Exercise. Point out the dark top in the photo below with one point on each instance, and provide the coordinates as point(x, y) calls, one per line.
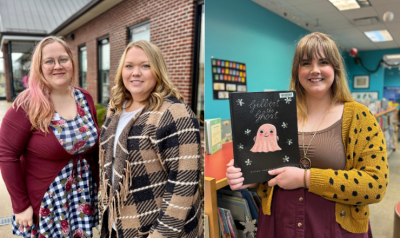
point(30, 160)
point(300, 213)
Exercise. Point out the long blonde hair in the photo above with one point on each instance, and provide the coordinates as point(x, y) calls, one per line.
point(35, 100)
point(163, 89)
point(311, 45)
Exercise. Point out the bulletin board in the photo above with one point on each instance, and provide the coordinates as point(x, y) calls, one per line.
point(391, 93)
point(228, 76)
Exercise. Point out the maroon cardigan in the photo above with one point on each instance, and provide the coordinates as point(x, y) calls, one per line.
point(31, 160)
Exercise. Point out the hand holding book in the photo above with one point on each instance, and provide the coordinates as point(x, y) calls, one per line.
point(289, 178)
point(235, 177)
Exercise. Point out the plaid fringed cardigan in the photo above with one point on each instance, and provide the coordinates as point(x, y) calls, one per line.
point(156, 173)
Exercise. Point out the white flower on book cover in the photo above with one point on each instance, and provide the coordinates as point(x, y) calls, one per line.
point(286, 159)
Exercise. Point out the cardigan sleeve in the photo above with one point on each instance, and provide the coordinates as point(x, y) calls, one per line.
point(14, 135)
point(365, 177)
point(179, 148)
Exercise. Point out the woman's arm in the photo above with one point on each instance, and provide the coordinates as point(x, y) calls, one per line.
point(365, 180)
point(178, 144)
point(15, 132)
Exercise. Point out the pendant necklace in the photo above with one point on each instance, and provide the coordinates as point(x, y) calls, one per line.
point(305, 162)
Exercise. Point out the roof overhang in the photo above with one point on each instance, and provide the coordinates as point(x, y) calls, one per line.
point(6, 38)
point(86, 14)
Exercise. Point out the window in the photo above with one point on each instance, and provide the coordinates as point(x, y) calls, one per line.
point(20, 52)
point(82, 66)
point(104, 70)
point(198, 64)
point(140, 31)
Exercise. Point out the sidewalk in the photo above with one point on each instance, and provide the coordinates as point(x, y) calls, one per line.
point(5, 202)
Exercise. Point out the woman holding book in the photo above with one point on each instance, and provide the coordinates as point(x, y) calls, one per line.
point(149, 153)
point(49, 149)
point(344, 160)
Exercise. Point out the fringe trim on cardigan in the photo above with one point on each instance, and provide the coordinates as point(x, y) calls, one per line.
point(116, 199)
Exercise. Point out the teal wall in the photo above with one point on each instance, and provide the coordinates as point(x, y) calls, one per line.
point(243, 31)
point(370, 60)
point(392, 77)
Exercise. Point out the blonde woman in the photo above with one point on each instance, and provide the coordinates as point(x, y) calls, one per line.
point(149, 153)
point(344, 145)
point(49, 149)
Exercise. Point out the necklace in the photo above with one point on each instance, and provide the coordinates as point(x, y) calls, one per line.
point(305, 162)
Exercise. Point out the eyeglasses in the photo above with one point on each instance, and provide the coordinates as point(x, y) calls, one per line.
point(63, 61)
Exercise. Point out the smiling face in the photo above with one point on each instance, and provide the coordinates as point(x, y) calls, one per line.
point(316, 75)
point(136, 74)
point(266, 130)
point(59, 76)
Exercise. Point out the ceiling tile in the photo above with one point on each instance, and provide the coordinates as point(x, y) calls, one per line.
point(382, 2)
point(387, 45)
point(338, 25)
point(297, 2)
point(375, 27)
point(317, 8)
point(360, 13)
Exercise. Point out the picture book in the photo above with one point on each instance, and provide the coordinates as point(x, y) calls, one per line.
point(264, 132)
point(213, 135)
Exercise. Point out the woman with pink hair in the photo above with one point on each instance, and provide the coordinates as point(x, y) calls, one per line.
point(50, 163)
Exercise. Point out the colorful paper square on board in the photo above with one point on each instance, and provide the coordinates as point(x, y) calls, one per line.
point(244, 74)
point(218, 70)
point(214, 62)
point(226, 64)
point(243, 80)
point(222, 70)
point(226, 71)
point(236, 78)
point(216, 76)
point(241, 74)
point(221, 77)
point(234, 65)
point(225, 77)
point(232, 78)
point(244, 67)
point(218, 62)
point(222, 63)
point(237, 66)
point(241, 66)
point(230, 64)
point(214, 70)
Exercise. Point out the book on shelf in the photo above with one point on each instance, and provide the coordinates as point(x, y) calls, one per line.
point(213, 135)
point(264, 133)
point(236, 209)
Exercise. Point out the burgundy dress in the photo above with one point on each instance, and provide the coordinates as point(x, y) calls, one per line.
point(299, 213)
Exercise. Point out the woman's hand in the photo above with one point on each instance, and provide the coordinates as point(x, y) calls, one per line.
point(234, 177)
point(25, 218)
point(288, 178)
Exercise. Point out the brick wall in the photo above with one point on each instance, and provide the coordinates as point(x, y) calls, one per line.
point(6, 72)
point(171, 29)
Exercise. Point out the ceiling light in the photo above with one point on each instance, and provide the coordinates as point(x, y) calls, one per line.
point(343, 5)
point(378, 36)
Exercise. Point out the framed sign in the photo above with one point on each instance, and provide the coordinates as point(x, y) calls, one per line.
point(365, 95)
point(228, 76)
point(361, 81)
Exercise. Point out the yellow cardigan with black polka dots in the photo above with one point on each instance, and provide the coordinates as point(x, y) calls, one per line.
point(364, 179)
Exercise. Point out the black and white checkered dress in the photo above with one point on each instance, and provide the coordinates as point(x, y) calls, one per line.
point(69, 206)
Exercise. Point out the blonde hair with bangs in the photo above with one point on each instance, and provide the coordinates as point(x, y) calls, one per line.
point(163, 89)
point(314, 45)
point(35, 100)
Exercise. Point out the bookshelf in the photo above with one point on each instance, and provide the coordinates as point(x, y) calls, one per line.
point(388, 123)
point(215, 178)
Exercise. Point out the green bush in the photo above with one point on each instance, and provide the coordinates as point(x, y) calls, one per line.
point(101, 114)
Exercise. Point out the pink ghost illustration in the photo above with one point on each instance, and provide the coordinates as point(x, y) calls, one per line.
point(266, 139)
